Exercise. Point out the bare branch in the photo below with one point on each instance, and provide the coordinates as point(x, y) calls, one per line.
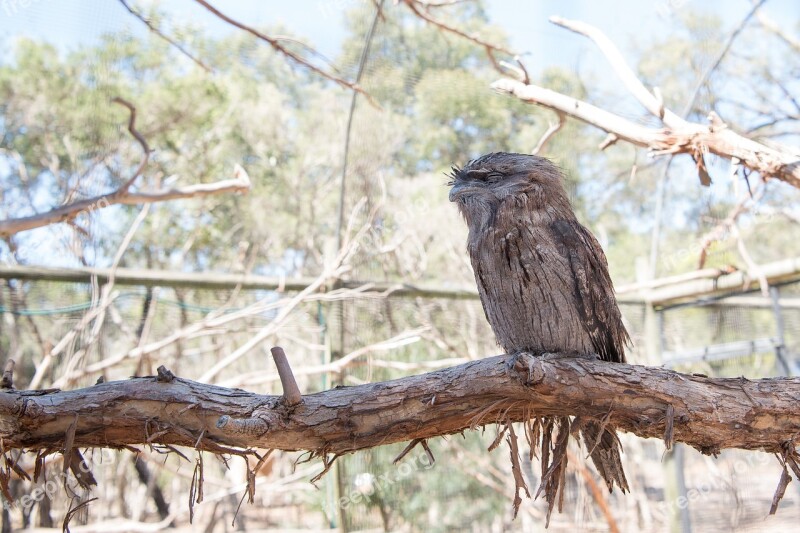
point(710, 70)
point(167, 38)
point(280, 48)
point(552, 130)
point(240, 183)
point(139, 138)
point(419, 8)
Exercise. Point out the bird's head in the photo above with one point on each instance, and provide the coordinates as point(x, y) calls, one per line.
point(483, 185)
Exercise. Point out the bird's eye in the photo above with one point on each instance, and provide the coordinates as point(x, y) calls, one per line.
point(493, 177)
point(479, 175)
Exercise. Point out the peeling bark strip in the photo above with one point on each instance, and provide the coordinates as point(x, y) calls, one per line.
point(709, 413)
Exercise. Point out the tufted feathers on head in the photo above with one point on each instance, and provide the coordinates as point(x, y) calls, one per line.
point(503, 165)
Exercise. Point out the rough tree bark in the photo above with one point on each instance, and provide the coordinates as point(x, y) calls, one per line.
point(707, 413)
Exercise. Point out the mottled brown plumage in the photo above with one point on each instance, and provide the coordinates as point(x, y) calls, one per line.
point(542, 277)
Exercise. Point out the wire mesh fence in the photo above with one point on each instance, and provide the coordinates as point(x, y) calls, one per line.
point(350, 338)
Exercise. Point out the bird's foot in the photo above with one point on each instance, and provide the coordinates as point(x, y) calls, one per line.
point(521, 362)
point(528, 361)
point(518, 361)
point(550, 356)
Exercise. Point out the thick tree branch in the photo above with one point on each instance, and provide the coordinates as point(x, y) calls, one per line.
point(707, 413)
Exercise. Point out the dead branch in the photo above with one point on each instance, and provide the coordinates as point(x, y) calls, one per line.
point(709, 414)
point(240, 183)
point(65, 213)
point(678, 135)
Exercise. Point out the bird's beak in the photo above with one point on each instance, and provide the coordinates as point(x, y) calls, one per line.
point(462, 189)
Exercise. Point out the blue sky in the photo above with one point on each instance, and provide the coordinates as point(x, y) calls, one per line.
point(70, 23)
point(631, 24)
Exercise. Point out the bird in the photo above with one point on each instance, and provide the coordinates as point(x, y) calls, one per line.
point(544, 284)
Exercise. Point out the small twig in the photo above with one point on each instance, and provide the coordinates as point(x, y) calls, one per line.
point(410, 446)
point(327, 464)
point(421, 11)
point(362, 62)
point(752, 266)
point(710, 70)
point(291, 392)
point(275, 43)
point(781, 490)
point(610, 140)
point(72, 511)
point(717, 233)
point(526, 79)
point(167, 38)
point(165, 375)
point(552, 130)
point(8, 375)
point(770, 25)
point(139, 138)
point(428, 451)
